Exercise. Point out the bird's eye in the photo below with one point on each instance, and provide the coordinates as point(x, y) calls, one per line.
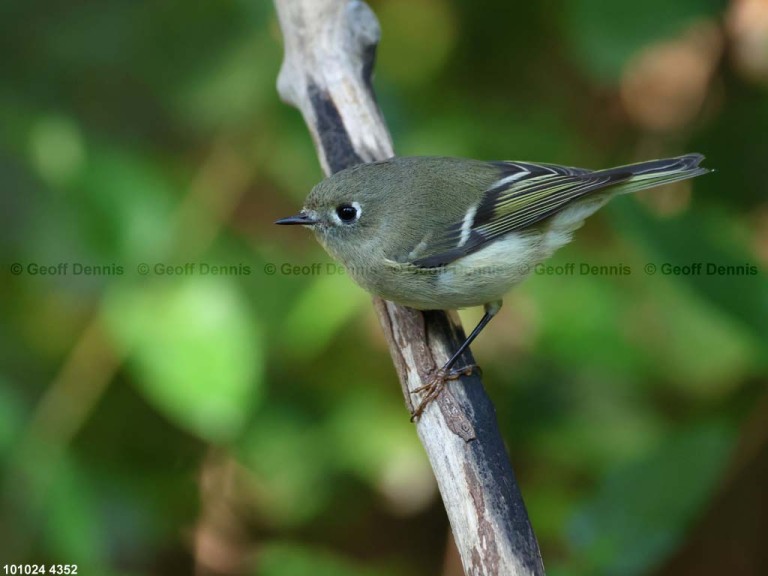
point(346, 212)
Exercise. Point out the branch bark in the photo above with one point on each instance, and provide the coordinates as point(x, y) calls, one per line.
point(330, 48)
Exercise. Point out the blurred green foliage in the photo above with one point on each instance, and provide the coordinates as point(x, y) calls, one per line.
point(152, 422)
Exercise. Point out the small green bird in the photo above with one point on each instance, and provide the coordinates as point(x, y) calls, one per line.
point(445, 233)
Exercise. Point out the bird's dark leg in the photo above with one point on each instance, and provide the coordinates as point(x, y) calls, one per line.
point(432, 389)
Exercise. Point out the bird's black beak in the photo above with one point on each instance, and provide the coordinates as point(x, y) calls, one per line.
point(299, 219)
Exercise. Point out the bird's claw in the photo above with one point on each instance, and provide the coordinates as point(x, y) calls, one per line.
point(434, 387)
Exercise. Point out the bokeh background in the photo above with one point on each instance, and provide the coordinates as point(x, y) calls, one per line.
point(162, 422)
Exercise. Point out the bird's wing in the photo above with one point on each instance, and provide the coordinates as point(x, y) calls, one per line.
point(524, 194)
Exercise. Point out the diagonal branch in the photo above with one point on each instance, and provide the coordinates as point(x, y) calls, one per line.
point(330, 48)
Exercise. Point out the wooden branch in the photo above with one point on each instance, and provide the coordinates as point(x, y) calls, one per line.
point(330, 48)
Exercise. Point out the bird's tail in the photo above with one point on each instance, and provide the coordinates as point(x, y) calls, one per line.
point(656, 172)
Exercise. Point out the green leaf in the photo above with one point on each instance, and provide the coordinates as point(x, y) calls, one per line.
point(195, 350)
point(126, 205)
point(293, 467)
point(710, 238)
point(642, 510)
point(329, 302)
point(57, 149)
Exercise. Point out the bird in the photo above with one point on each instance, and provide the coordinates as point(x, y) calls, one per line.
point(440, 233)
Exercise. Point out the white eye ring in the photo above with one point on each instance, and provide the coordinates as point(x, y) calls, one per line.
point(347, 213)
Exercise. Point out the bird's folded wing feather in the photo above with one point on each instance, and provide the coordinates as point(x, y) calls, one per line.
point(525, 194)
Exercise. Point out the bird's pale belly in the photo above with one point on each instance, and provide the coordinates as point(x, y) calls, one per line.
point(482, 277)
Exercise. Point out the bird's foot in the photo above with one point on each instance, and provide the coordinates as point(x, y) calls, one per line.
point(436, 384)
